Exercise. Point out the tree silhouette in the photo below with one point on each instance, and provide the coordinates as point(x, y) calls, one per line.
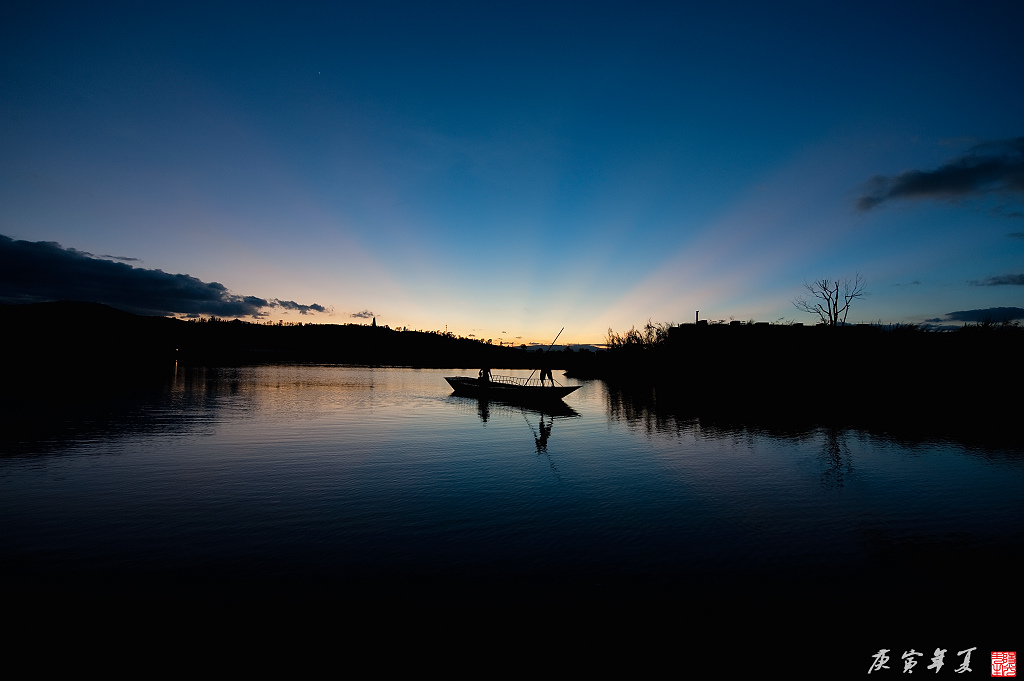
point(830, 299)
point(649, 337)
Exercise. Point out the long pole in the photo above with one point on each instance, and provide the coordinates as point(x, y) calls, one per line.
point(556, 337)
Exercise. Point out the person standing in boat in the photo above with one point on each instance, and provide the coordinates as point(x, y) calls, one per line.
point(546, 373)
point(485, 376)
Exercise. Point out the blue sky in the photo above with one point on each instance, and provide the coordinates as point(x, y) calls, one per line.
point(505, 170)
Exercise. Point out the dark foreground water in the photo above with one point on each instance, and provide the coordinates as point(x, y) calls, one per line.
point(367, 487)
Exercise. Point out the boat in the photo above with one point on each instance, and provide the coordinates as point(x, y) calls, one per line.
point(509, 389)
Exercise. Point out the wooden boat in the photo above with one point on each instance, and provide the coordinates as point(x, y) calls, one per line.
point(509, 389)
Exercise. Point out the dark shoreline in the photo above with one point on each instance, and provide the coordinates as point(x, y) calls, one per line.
point(962, 385)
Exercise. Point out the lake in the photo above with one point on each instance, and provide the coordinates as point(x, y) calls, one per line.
point(369, 485)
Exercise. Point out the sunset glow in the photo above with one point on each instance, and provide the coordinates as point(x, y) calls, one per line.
point(506, 172)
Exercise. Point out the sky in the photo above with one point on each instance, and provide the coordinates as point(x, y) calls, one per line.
point(504, 170)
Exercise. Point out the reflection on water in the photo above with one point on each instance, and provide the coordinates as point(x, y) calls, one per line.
point(353, 482)
point(543, 433)
point(837, 459)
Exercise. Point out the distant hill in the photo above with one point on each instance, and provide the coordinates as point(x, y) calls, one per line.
point(72, 332)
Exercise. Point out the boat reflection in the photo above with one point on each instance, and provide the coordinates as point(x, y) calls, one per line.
point(485, 408)
point(543, 415)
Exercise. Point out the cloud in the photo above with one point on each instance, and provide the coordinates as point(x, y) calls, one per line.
point(302, 309)
point(988, 314)
point(1002, 280)
point(365, 314)
point(986, 168)
point(44, 271)
point(1003, 212)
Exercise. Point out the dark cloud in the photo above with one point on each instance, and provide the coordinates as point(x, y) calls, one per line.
point(988, 314)
point(1002, 280)
point(985, 168)
point(1003, 212)
point(365, 314)
point(44, 271)
point(302, 309)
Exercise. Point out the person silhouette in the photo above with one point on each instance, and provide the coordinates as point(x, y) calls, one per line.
point(546, 373)
point(485, 376)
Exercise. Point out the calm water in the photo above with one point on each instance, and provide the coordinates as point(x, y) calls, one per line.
point(369, 483)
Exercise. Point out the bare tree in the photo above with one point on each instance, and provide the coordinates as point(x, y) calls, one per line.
point(830, 299)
